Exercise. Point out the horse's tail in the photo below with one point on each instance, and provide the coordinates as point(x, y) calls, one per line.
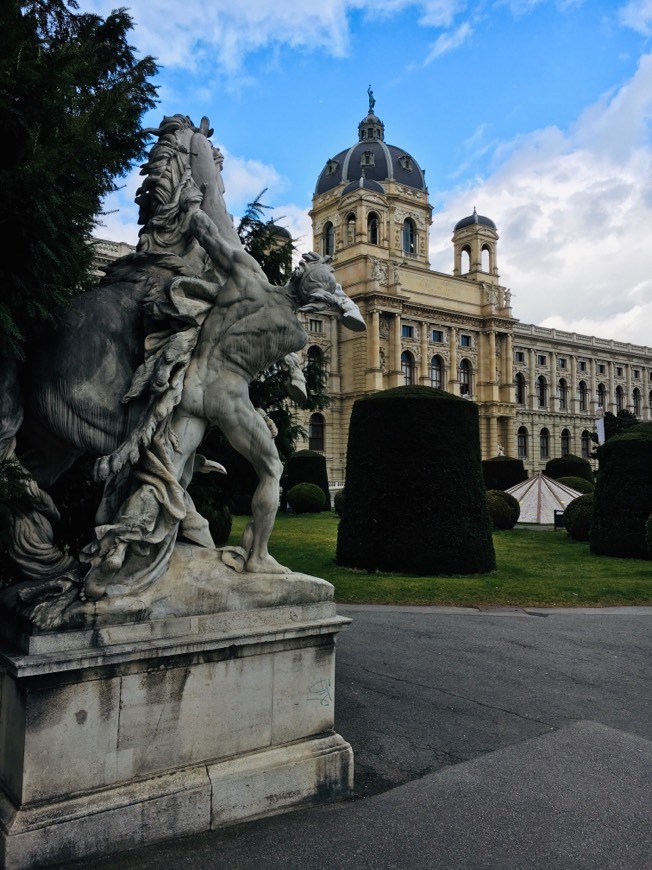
point(11, 406)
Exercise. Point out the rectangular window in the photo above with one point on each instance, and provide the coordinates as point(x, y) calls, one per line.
point(315, 326)
point(437, 335)
point(541, 359)
point(407, 331)
point(619, 371)
point(562, 362)
point(519, 356)
point(465, 341)
point(582, 365)
point(636, 374)
point(601, 368)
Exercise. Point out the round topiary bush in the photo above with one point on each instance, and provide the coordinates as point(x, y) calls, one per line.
point(578, 517)
point(415, 497)
point(504, 509)
point(569, 466)
point(306, 498)
point(623, 494)
point(305, 466)
point(579, 484)
point(338, 502)
point(503, 472)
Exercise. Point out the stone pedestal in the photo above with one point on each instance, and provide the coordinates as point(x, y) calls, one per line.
point(118, 734)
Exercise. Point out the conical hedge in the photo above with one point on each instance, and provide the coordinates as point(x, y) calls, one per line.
point(415, 499)
point(623, 494)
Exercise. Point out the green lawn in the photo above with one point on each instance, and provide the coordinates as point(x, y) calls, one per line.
point(536, 568)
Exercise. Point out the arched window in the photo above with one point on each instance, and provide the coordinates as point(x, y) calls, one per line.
point(486, 258)
point(521, 442)
point(565, 442)
point(586, 444)
point(350, 229)
point(314, 353)
point(542, 392)
point(372, 228)
point(636, 396)
point(436, 372)
point(602, 396)
point(465, 260)
point(519, 384)
point(407, 367)
point(620, 399)
point(409, 236)
point(544, 444)
point(316, 428)
point(583, 396)
point(328, 239)
point(465, 378)
point(563, 394)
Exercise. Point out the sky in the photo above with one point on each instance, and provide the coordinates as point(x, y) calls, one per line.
point(536, 112)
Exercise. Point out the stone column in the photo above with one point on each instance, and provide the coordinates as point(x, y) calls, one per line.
point(573, 404)
point(453, 385)
point(532, 398)
point(395, 373)
point(374, 372)
point(425, 362)
point(611, 389)
point(553, 401)
point(629, 397)
point(593, 388)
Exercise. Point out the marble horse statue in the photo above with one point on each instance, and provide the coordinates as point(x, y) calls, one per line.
point(137, 370)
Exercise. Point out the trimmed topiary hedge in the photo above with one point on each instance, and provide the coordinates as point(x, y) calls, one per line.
point(305, 466)
point(306, 498)
point(569, 466)
point(338, 502)
point(648, 535)
point(503, 472)
point(504, 509)
point(579, 484)
point(623, 494)
point(578, 517)
point(415, 499)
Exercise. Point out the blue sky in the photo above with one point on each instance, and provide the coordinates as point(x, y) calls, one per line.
point(537, 112)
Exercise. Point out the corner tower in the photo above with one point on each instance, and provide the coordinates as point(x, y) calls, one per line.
point(371, 202)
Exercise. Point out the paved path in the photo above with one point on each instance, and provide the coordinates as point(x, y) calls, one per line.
point(494, 738)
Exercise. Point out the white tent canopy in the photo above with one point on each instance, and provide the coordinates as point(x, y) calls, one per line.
point(539, 498)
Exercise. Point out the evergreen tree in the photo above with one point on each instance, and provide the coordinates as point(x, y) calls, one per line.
point(72, 95)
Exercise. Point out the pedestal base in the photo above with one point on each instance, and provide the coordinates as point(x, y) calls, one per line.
point(197, 722)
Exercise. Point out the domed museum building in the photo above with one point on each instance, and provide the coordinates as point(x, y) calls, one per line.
point(538, 390)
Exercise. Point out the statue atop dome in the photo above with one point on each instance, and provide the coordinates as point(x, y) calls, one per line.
point(372, 101)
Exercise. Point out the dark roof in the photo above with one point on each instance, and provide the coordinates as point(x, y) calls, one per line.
point(475, 218)
point(380, 162)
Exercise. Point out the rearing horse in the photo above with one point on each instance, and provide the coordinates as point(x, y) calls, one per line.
point(166, 345)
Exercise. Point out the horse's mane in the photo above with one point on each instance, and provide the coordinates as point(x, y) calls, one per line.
point(167, 172)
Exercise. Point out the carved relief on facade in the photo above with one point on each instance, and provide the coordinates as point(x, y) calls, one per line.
point(382, 359)
point(379, 271)
point(383, 326)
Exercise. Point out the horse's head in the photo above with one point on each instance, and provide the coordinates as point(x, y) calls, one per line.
point(181, 163)
point(314, 287)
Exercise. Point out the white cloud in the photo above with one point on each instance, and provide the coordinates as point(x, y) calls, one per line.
point(637, 14)
point(449, 42)
point(573, 213)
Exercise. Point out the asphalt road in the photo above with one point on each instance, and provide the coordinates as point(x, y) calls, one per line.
point(492, 739)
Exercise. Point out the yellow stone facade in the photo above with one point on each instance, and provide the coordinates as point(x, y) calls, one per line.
point(538, 390)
